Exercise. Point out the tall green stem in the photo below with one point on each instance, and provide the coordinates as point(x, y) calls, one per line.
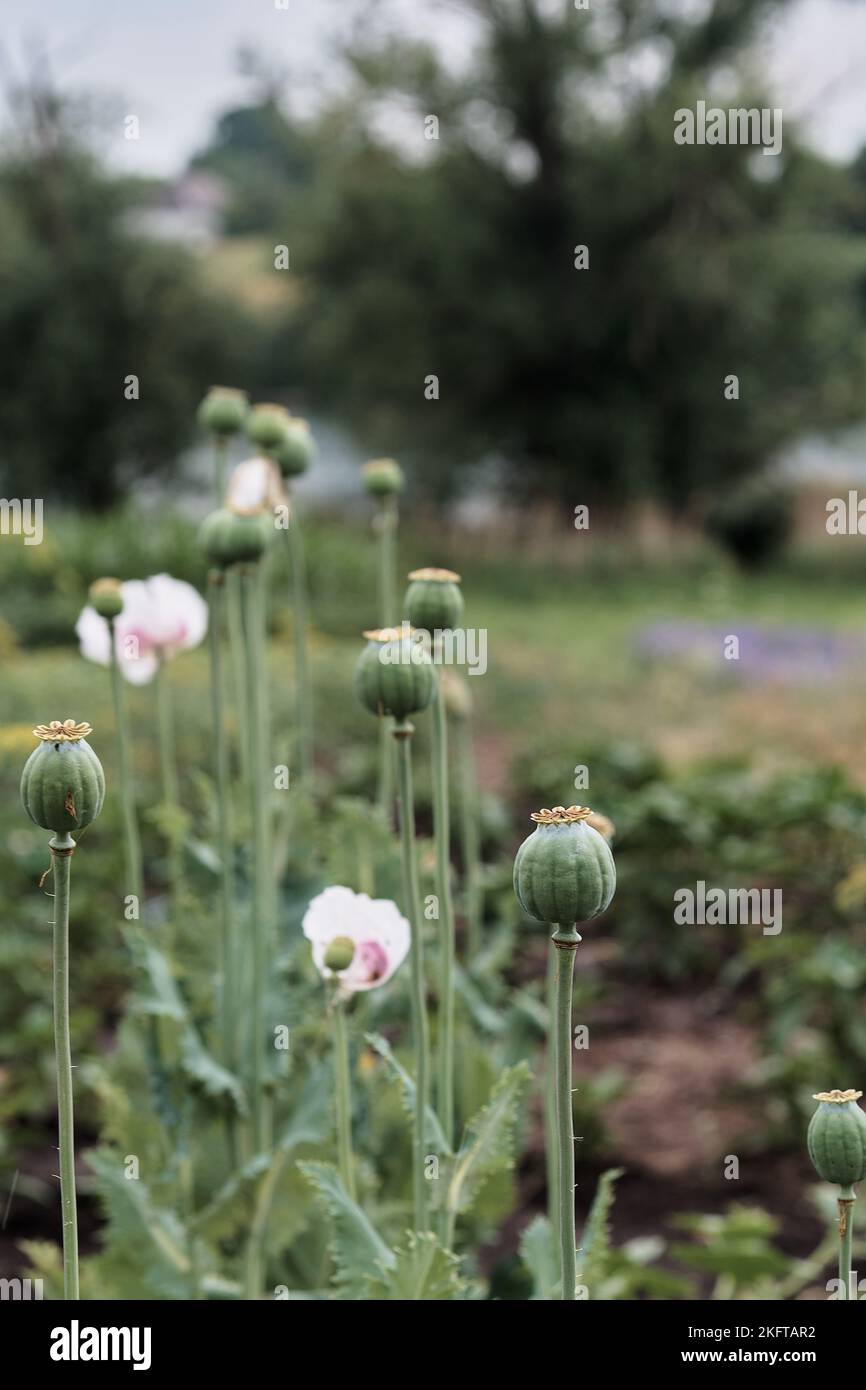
point(238, 663)
point(386, 521)
point(304, 694)
point(342, 1092)
point(402, 734)
point(442, 833)
point(260, 924)
point(220, 454)
point(846, 1201)
point(131, 838)
point(61, 847)
point(168, 767)
point(228, 965)
point(550, 1096)
point(564, 945)
point(468, 796)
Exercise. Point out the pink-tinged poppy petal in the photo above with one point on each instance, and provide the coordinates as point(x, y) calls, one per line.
point(377, 927)
point(177, 614)
point(141, 670)
point(94, 636)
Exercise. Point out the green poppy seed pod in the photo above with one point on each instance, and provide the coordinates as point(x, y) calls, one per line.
point(433, 600)
point(383, 477)
point(106, 597)
point(223, 410)
point(229, 538)
point(394, 674)
point(295, 454)
point(339, 953)
point(564, 871)
point(268, 426)
point(62, 785)
point(836, 1137)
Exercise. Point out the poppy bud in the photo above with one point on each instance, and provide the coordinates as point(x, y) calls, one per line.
point(339, 953)
point(106, 597)
point(268, 426)
point(383, 477)
point(223, 410)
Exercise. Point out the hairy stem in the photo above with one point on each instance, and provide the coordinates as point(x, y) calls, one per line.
point(442, 833)
point(402, 735)
point(564, 946)
point(131, 837)
point(550, 1098)
point(343, 1097)
point(845, 1201)
point(61, 852)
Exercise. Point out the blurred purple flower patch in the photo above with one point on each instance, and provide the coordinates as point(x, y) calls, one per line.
point(780, 655)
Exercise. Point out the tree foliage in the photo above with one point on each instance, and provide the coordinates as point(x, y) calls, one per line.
point(455, 258)
point(86, 304)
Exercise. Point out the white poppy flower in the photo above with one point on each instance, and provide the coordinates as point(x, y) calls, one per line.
point(161, 616)
point(376, 927)
point(255, 486)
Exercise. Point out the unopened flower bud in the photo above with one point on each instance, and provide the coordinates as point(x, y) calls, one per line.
point(223, 410)
point(106, 597)
point(295, 454)
point(383, 477)
point(268, 426)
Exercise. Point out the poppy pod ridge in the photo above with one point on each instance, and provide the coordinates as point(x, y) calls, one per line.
point(62, 789)
point(564, 874)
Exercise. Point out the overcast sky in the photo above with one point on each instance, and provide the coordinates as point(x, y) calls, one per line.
point(171, 62)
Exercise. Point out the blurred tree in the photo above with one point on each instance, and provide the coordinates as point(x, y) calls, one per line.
point(265, 158)
point(86, 305)
point(451, 252)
